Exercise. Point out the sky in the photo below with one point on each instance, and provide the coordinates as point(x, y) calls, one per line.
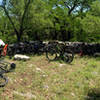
point(0, 1)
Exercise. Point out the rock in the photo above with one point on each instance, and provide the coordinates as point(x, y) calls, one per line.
point(61, 65)
point(21, 57)
point(72, 94)
point(38, 69)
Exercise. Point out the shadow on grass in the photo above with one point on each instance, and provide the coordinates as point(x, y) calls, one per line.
point(97, 58)
point(60, 61)
point(93, 94)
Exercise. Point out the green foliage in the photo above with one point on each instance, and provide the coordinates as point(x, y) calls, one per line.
point(91, 23)
point(66, 20)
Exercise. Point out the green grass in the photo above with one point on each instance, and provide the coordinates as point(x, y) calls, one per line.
point(37, 79)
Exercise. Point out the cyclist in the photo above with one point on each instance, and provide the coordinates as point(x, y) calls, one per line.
point(2, 43)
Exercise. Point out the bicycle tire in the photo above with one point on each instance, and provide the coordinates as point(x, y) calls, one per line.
point(4, 79)
point(70, 56)
point(51, 55)
point(65, 57)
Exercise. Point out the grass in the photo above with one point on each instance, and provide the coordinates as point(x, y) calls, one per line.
point(38, 79)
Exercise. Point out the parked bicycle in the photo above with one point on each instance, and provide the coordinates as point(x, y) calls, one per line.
point(56, 51)
point(5, 67)
point(3, 79)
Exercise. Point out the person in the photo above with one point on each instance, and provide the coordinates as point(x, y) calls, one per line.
point(2, 44)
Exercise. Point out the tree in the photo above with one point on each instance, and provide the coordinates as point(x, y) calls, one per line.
point(91, 23)
point(75, 6)
point(72, 9)
point(12, 5)
point(38, 20)
point(65, 20)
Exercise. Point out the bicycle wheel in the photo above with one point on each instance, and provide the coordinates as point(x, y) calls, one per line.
point(70, 54)
point(65, 57)
point(3, 81)
point(51, 55)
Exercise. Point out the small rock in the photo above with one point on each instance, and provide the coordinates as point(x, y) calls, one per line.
point(61, 65)
point(21, 79)
point(15, 80)
point(21, 57)
point(44, 76)
point(72, 94)
point(38, 69)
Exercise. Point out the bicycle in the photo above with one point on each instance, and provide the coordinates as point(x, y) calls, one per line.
point(3, 79)
point(5, 67)
point(4, 64)
point(56, 51)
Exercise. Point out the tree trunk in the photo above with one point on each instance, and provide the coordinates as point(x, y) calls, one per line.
point(18, 38)
point(20, 31)
point(23, 17)
point(68, 35)
point(54, 35)
point(63, 33)
point(7, 14)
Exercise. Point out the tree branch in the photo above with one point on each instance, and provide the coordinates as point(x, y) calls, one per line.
point(66, 5)
point(71, 8)
point(7, 14)
point(23, 17)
